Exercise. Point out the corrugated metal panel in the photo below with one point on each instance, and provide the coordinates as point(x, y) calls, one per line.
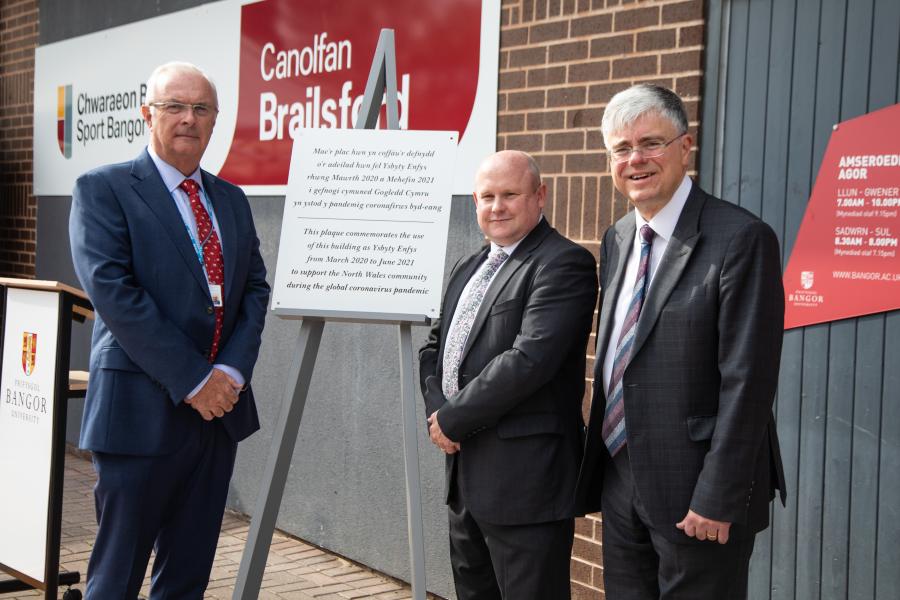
point(779, 75)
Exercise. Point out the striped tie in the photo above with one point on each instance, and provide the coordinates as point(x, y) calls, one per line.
point(613, 431)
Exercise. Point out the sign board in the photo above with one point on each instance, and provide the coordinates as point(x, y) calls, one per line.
point(280, 66)
point(364, 230)
point(27, 404)
point(846, 260)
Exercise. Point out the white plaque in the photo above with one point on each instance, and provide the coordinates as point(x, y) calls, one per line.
point(26, 427)
point(364, 231)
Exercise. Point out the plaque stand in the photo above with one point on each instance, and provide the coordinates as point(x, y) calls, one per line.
point(382, 83)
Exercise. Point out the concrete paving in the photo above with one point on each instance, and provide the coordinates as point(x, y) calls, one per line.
point(295, 570)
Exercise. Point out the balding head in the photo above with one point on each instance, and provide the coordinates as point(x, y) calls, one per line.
point(515, 159)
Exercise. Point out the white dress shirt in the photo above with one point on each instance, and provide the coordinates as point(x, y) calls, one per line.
point(663, 224)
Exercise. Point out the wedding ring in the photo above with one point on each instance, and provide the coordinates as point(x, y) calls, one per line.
point(712, 537)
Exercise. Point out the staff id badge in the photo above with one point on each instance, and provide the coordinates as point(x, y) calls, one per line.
point(215, 292)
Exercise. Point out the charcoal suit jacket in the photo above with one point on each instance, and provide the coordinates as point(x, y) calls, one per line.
point(699, 387)
point(517, 414)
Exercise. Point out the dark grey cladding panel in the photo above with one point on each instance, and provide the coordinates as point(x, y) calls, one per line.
point(779, 74)
point(64, 19)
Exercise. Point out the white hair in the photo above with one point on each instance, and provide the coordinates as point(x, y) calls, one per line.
point(178, 67)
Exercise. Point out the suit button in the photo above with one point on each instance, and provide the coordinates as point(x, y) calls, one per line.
point(209, 310)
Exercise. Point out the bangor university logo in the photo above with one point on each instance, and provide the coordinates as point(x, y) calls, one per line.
point(64, 119)
point(806, 279)
point(29, 351)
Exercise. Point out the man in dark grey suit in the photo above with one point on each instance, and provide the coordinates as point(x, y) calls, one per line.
point(682, 455)
point(503, 379)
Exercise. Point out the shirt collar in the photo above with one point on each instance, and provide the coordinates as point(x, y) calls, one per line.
point(663, 223)
point(508, 249)
point(171, 176)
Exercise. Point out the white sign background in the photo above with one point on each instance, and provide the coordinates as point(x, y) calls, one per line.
point(26, 435)
point(366, 211)
point(129, 53)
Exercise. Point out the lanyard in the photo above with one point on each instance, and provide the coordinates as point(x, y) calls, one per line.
point(198, 246)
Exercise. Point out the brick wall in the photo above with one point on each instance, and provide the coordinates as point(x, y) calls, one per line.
point(18, 209)
point(560, 62)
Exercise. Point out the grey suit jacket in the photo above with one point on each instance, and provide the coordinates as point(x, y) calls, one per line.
point(699, 388)
point(518, 411)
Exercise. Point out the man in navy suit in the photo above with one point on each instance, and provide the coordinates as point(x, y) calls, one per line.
point(169, 256)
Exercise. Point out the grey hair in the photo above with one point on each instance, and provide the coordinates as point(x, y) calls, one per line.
point(178, 67)
point(629, 105)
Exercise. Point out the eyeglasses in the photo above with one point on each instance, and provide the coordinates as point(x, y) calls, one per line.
point(651, 149)
point(179, 108)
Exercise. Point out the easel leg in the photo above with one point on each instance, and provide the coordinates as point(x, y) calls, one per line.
point(411, 460)
point(262, 525)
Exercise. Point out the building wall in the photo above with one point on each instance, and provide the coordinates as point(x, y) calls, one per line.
point(788, 70)
point(560, 62)
point(18, 209)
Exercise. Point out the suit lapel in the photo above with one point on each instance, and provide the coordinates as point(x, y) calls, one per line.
point(227, 226)
point(455, 287)
point(618, 256)
point(514, 262)
point(671, 266)
point(150, 187)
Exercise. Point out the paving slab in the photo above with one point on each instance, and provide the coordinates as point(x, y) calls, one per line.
point(295, 569)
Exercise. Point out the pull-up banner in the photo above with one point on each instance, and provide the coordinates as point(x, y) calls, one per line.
point(280, 66)
point(845, 262)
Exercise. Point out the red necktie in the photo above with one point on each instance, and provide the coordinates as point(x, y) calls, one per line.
point(212, 255)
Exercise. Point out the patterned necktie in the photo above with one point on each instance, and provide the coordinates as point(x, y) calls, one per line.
point(465, 318)
point(613, 431)
point(212, 256)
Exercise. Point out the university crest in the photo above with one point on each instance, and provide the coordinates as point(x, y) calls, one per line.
point(29, 351)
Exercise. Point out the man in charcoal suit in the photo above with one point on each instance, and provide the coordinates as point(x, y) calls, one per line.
point(503, 380)
point(681, 455)
point(168, 255)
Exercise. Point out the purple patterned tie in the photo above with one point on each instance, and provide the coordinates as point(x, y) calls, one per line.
point(613, 431)
point(465, 317)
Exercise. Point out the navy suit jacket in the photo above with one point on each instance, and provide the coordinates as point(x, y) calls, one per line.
point(155, 318)
point(517, 414)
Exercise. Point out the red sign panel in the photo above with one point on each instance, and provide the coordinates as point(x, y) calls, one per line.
point(307, 67)
point(845, 261)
